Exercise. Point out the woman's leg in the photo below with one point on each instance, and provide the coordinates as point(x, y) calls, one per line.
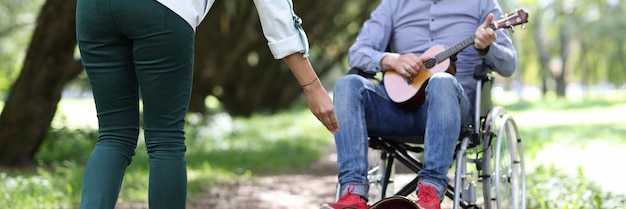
point(107, 58)
point(163, 57)
point(127, 45)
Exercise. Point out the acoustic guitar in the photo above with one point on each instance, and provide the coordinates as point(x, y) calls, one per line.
point(409, 92)
point(395, 202)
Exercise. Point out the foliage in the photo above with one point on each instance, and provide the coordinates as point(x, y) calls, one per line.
point(56, 187)
point(563, 142)
point(67, 143)
point(219, 149)
point(548, 188)
point(287, 141)
point(17, 19)
point(579, 39)
point(234, 64)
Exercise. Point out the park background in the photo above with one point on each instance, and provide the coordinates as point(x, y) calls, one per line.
point(248, 117)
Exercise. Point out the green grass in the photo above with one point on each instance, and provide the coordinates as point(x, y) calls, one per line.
point(287, 141)
point(551, 187)
point(51, 186)
point(584, 139)
point(562, 140)
point(218, 149)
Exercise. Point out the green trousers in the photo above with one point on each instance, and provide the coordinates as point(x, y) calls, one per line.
point(134, 49)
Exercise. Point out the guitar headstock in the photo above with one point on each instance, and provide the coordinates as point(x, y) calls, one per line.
point(516, 18)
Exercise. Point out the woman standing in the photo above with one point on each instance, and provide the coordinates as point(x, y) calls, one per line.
point(144, 49)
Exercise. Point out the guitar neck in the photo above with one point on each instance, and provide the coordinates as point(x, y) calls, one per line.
point(457, 47)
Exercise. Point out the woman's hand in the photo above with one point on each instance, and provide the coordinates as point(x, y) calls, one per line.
point(321, 105)
point(316, 96)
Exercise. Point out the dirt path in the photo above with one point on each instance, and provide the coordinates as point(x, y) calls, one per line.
point(289, 191)
point(302, 191)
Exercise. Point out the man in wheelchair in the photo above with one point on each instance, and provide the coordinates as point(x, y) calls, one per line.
point(403, 37)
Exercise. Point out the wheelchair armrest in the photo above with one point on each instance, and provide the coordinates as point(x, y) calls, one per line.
point(368, 75)
point(483, 72)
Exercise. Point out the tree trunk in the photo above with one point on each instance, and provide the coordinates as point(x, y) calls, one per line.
point(543, 54)
point(565, 49)
point(33, 98)
point(234, 64)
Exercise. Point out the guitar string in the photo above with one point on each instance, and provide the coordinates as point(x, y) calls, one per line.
point(456, 48)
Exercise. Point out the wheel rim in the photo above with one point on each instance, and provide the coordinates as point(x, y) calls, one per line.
point(504, 178)
point(506, 181)
point(502, 174)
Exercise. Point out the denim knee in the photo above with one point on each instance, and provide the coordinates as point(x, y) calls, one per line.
point(348, 82)
point(442, 82)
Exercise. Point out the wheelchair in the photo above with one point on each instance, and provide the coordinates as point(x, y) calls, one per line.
point(489, 164)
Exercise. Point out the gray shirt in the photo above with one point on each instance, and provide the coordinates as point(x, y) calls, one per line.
point(413, 26)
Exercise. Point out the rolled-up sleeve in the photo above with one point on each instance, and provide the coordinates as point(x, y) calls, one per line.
point(282, 28)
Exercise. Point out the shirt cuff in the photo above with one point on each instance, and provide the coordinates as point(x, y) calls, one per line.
point(377, 66)
point(282, 48)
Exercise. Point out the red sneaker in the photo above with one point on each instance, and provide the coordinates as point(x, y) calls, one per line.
point(427, 197)
point(348, 200)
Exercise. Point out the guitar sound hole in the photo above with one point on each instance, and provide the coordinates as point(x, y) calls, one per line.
point(409, 80)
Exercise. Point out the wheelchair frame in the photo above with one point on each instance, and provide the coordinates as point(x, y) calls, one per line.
point(499, 169)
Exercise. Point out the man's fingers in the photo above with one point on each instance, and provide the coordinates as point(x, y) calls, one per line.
point(488, 21)
point(484, 34)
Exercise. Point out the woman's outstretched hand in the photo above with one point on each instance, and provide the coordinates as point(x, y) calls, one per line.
point(316, 96)
point(321, 105)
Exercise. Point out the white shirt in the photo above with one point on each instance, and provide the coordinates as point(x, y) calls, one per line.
point(281, 27)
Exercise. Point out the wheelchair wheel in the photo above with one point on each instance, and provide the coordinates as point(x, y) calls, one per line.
point(504, 178)
point(376, 175)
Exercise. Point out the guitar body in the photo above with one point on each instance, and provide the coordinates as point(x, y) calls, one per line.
point(395, 202)
point(410, 92)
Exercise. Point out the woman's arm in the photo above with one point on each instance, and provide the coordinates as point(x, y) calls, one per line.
point(287, 41)
point(317, 98)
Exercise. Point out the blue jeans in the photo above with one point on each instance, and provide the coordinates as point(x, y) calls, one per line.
point(362, 106)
